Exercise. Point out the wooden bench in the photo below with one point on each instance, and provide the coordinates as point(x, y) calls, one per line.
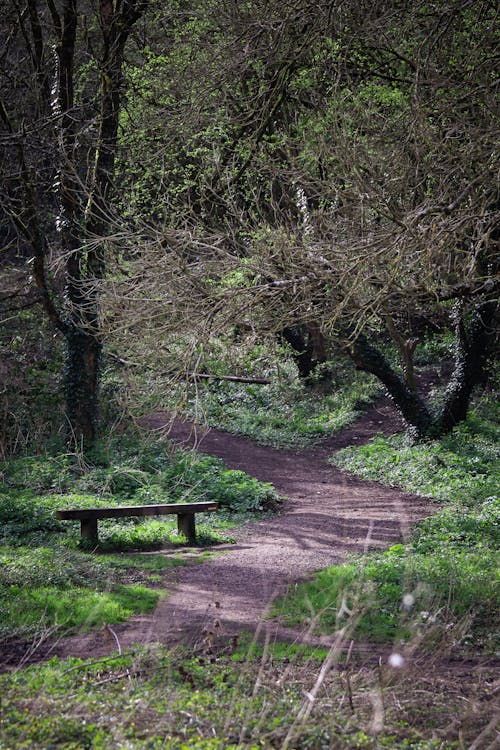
point(185, 513)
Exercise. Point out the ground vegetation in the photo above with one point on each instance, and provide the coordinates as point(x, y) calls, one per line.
point(446, 578)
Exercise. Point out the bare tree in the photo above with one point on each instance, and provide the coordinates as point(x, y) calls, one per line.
point(365, 203)
point(58, 166)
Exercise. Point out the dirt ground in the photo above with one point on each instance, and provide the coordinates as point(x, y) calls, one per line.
point(327, 514)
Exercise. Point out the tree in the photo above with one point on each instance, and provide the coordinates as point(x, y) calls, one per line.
point(59, 171)
point(363, 203)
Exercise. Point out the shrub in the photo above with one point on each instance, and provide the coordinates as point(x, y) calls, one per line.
point(150, 473)
point(22, 513)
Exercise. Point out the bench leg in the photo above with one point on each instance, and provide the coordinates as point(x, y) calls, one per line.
point(88, 529)
point(186, 525)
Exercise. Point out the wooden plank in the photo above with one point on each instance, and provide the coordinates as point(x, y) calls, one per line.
point(88, 529)
point(121, 511)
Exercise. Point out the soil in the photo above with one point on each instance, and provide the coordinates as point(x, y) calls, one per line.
point(328, 514)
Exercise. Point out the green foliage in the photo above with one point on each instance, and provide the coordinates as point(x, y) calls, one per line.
point(46, 587)
point(41, 473)
point(51, 566)
point(457, 529)
point(445, 585)
point(24, 611)
point(156, 699)
point(434, 349)
point(151, 534)
point(127, 470)
point(206, 479)
point(23, 513)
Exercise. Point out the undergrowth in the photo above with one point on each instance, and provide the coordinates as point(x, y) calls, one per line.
point(287, 413)
point(462, 467)
point(253, 698)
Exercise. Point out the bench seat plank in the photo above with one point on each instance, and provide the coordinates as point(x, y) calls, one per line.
point(121, 511)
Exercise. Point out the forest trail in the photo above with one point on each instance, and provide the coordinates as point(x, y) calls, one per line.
point(328, 514)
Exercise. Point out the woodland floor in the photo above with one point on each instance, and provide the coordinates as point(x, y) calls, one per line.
point(327, 514)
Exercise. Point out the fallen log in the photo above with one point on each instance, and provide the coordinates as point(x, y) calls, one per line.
point(231, 378)
point(197, 375)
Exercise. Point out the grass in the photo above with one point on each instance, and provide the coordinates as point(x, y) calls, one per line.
point(447, 578)
point(401, 594)
point(155, 698)
point(123, 472)
point(38, 608)
point(47, 581)
point(287, 413)
point(58, 588)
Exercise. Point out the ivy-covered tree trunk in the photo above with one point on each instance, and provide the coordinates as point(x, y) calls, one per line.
point(475, 334)
point(413, 408)
point(83, 352)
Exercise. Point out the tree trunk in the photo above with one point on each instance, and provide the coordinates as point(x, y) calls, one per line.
point(85, 263)
point(475, 333)
point(308, 343)
point(303, 350)
point(83, 352)
point(412, 407)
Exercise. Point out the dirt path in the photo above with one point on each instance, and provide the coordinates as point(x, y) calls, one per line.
point(328, 514)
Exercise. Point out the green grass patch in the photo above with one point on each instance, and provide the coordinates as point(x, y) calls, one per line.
point(25, 611)
point(152, 563)
point(402, 594)
point(251, 650)
point(46, 587)
point(462, 467)
point(51, 566)
point(153, 534)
